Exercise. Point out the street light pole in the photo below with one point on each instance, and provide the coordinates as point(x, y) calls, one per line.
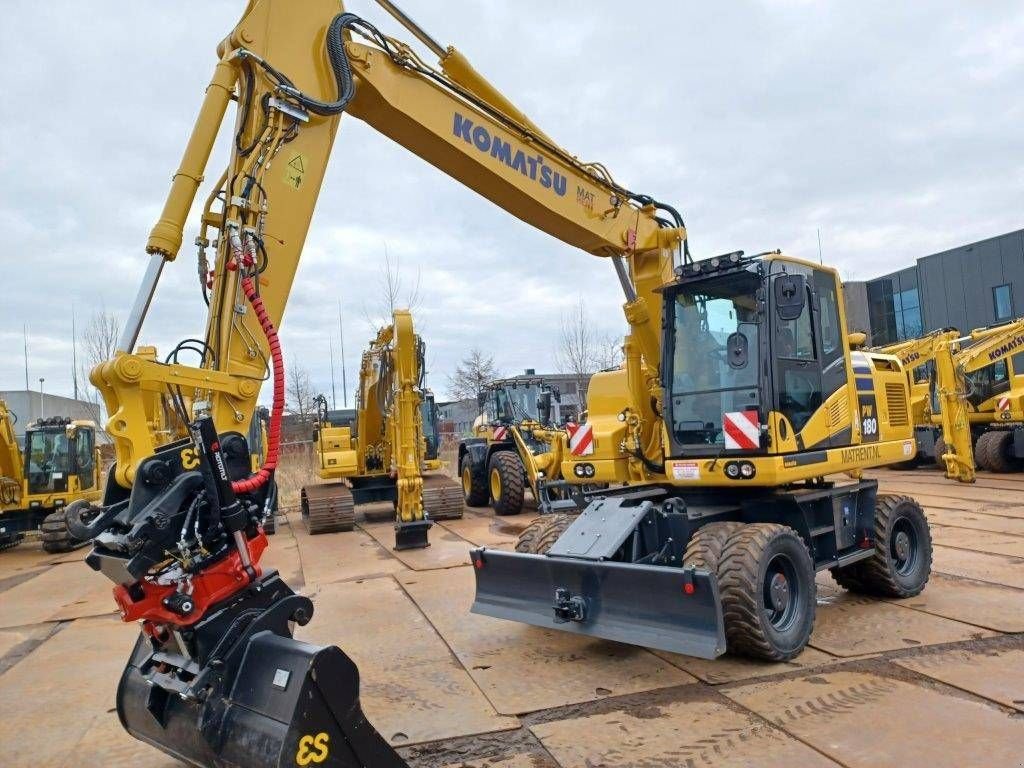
point(42, 407)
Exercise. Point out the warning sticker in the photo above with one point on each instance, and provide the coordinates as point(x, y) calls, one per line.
point(908, 447)
point(295, 170)
point(686, 470)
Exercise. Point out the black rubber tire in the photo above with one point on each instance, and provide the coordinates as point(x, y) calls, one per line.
point(983, 450)
point(512, 481)
point(553, 532)
point(753, 557)
point(55, 534)
point(940, 448)
point(978, 459)
point(885, 573)
point(704, 549)
point(270, 524)
point(527, 540)
point(474, 483)
point(997, 448)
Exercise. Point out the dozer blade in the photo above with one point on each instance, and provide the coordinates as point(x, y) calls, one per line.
point(258, 698)
point(671, 609)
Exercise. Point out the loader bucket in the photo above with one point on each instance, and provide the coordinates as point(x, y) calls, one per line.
point(258, 699)
point(671, 609)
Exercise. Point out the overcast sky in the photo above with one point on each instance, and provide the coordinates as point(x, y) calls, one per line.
point(895, 128)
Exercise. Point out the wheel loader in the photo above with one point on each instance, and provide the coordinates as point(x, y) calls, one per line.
point(738, 404)
point(514, 447)
point(379, 451)
point(59, 465)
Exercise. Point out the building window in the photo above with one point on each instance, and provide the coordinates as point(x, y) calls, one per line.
point(1002, 300)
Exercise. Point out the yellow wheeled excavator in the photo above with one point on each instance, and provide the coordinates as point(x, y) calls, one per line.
point(738, 397)
point(980, 373)
point(379, 450)
point(60, 465)
point(980, 397)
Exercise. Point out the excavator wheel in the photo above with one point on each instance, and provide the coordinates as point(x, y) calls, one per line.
point(474, 483)
point(704, 549)
point(328, 507)
point(442, 497)
point(527, 541)
point(507, 481)
point(553, 531)
point(766, 583)
point(940, 448)
point(902, 560)
point(993, 452)
point(55, 534)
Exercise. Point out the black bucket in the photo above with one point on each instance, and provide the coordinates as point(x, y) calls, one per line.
point(259, 699)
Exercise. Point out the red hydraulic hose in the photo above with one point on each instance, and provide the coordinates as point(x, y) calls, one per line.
point(277, 359)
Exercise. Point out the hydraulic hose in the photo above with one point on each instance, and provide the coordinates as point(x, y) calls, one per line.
point(277, 361)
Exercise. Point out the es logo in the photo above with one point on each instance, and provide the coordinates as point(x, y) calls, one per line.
point(189, 458)
point(312, 749)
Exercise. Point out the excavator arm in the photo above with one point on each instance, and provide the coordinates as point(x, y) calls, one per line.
point(955, 359)
point(261, 209)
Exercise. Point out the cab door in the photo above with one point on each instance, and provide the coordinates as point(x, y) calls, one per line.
point(797, 369)
point(807, 349)
point(831, 353)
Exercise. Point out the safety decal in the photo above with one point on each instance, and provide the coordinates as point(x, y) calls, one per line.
point(1004, 403)
point(295, 170)
point(685, 470)
point(581, 439)
point(742, 430)
point(500, 433)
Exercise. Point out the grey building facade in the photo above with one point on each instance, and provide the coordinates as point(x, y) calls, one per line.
point(29, 405)
point(967, 287)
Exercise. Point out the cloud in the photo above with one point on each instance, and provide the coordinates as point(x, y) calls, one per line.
point(895, 130)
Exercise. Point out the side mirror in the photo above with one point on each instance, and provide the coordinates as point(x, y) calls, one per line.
point(557, 394)
point(544, 407)
point(736, 350)
point(790, 296)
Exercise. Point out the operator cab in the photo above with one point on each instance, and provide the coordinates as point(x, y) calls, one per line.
point(55, 451)
point(428, 411)
point(515, 401)
point(748, 336)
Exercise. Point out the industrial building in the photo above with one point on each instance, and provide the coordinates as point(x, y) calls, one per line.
point(29, 405)
point(970, 286)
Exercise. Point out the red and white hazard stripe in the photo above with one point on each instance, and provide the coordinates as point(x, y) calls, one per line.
point(581, 439)
point(742, 430)
point(500, 433)
point(1004, 403)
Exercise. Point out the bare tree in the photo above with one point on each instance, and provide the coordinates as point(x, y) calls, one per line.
point(607, 352)
point(394, 294)
point(99, 341)
point(471, 376)
point(576, 348)
point(299, 392)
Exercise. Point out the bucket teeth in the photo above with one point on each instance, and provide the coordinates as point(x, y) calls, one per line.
point(328, 508)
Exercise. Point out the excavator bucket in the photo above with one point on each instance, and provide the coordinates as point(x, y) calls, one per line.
point(671, 609)
point(255, 697)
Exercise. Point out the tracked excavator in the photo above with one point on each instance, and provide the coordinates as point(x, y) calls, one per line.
point(379, 450)
point(59, 466)
point(738, 396)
